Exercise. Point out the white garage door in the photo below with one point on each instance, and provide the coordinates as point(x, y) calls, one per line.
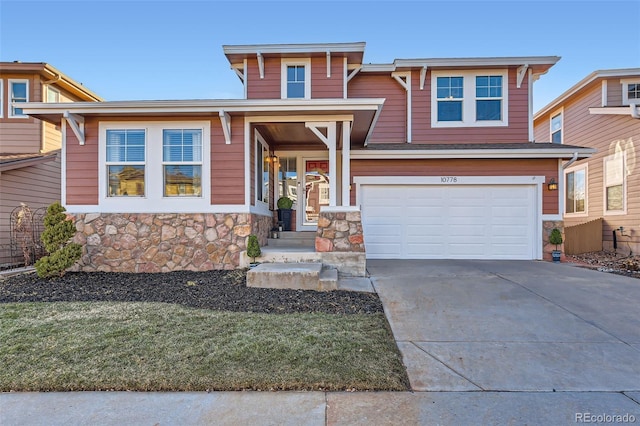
point(449, 221)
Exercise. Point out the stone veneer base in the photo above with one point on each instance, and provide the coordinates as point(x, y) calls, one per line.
point(164, 242)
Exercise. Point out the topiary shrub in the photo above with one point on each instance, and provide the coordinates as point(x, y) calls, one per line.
point(253, 247)
point(285, 203)
point(58, 230)
point(555, 237)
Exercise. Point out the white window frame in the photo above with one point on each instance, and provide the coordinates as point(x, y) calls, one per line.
point(181, 163)
point(625, 91)
point(469, 98)
point(286, 62)
point(558, 112)
point(622, 156)
point(261, 147)
point(128, 163)
point(575, 169)
point(54, 90)
point(154, 200)
point(10, 96)
point(1, 98)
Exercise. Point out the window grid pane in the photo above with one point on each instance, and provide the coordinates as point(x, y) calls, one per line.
point(182, 146)
point(125, 181)
point(182, 180)
point(633, 91)
point(18, 94)
point(125, 146)
point(295, 81)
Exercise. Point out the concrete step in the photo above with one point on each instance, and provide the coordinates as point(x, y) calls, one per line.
point(300, 276)
point(328, 279)
point(297, 235)
point(291, 242)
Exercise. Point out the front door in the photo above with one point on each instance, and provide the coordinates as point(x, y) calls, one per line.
point(314, 190)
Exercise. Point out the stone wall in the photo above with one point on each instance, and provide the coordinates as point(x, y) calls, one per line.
point(163, 242)
point(547, 247)
point(340, 232)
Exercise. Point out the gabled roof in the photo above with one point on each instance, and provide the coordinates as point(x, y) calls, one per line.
point(573, 90)
point(17, 161)
point(52, 76)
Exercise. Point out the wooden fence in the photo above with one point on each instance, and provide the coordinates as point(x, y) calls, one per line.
point(583, 238)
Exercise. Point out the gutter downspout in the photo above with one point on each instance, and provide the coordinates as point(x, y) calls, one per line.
point(570, 162)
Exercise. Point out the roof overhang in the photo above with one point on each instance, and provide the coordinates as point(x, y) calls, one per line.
point(237, 53)
point(633, 110)
point(538, 64)
point(18, 161)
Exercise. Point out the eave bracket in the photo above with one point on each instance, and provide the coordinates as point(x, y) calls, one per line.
point(260, 64)
point(225, 120)
point(76, 122)
point(522, 71)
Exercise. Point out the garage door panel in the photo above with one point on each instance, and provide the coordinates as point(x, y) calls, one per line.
point(449, 221)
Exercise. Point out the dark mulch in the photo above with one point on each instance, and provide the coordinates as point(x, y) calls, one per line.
point(217, 290)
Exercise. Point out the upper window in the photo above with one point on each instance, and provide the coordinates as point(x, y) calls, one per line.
point(296, 79)
point(614, 183)
point(576, 191)
point(53, 95)
point(18, 92)
point(556, 128)
point(182, 162)
point(630, 91)
point(125, 162)
point(469, 99)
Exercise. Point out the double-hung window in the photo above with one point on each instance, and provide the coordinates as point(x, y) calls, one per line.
point(556, 128)
point(614, 183)
point(18, 92)
point(125, 161)
point(630, 91)
point(469, 98)
point(296, 79)
point(576, 191)
point(182, 162)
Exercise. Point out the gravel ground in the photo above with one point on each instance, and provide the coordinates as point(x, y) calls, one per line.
point(217, 290)
point(604, 261)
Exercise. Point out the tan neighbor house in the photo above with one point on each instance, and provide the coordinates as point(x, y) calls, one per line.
point(29, 148)
point(601, 111)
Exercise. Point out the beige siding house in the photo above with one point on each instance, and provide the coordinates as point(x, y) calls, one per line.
point(29, 148)
point(601, 111)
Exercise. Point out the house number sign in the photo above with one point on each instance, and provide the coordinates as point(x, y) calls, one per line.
point(448, 179)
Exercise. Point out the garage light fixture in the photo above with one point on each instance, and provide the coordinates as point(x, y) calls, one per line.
point(552, 185)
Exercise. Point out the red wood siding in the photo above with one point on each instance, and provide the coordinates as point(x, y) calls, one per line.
point(392, 122)
point(82, 166)
point(267, 87)
point(323, 87)
point(462, 167)
point(227, 163)
point(20, 135)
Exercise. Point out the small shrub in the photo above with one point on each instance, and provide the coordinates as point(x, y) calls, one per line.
point(555, 237)
point(253, 247)
point(285, 203)
point(57, 233)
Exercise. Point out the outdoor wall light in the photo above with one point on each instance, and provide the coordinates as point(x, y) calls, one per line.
point(272, 159)
point(552, 185)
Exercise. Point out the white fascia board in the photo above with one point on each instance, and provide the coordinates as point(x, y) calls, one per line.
point(477, 62)
point(378, 68)
point(625, 110)
point(622, 72)
point(469, 153)
point(248, 49)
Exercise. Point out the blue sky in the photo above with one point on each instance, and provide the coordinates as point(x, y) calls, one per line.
point(173, 49)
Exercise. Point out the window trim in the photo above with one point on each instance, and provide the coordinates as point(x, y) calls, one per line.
point(10, 108)
point(260, 147)
point(286, 62)
point(625, 90)
point(574, 169)
point(166, 163)
point(469, 98)
point(554, 114)
point(605, 211)
point(107, 164)
point(154, 200)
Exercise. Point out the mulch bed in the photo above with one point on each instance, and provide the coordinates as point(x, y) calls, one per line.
point(217, 290)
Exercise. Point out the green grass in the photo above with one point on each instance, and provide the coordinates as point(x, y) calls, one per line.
point(155, 346)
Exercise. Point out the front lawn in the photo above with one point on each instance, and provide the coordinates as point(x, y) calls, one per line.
point(153, 346)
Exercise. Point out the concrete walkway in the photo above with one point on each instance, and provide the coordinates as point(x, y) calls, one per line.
point(484, 343)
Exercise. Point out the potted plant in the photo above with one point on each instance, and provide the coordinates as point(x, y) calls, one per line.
point(555, 238)
point(253, 249)
point(285, 212)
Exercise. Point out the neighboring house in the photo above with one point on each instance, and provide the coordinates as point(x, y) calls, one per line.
point(431, 158)
point(29, 148)
point(601, 111)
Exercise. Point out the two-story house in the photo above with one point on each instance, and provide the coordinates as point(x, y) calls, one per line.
point(601, 111)
point(419, 158)
point(29, 148)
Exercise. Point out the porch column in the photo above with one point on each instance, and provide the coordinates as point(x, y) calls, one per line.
point(333, 170)
point(346, 163)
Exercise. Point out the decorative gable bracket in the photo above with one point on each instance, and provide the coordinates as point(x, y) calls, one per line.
point(260, 64)
point(225, 120)
point(423, 76)
point(76, 122)
point(522, 71)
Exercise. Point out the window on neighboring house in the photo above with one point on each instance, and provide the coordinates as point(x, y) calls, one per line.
point(1, 98)
point(489, 98)
point(469, 98)
point(182, 162)
point(576, 191)
point(18, 92)
point(614, 183)
point(125, 162)
point(450, 98)
point(262, 170)
point(53, 95)
point(296, 79)
point(556, 128)
point(630, 91)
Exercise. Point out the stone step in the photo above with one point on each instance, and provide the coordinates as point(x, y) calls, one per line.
point(300, 276)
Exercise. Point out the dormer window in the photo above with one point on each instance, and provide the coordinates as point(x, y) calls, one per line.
point(296, 79)
point(630, 91)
